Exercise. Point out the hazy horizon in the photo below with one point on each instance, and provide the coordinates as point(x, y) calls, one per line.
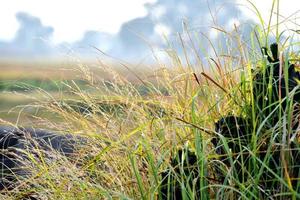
point(141, 30)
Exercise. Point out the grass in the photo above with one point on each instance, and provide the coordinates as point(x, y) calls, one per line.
point(137, 123)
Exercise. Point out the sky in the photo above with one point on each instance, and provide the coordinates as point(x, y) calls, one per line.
point(70, 19)
point(44, 28)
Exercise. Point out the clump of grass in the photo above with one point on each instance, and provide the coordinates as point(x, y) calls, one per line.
point(136, 128)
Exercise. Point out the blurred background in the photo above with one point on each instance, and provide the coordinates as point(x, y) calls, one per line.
point(42, 41)
point(122, 29)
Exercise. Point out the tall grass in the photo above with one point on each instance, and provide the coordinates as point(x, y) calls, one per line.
point(136, 127)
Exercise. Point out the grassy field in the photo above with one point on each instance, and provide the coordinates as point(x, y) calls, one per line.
point(25, 83)
point(137, 119)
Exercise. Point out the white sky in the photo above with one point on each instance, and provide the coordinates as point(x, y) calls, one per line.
point(70, 19)
point(286, 9)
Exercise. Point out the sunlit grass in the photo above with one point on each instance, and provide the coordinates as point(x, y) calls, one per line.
point(137, 123)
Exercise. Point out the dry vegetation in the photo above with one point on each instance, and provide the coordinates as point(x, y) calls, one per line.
point(135, 122)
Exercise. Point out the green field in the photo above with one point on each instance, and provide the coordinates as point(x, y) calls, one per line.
point(22, 85)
